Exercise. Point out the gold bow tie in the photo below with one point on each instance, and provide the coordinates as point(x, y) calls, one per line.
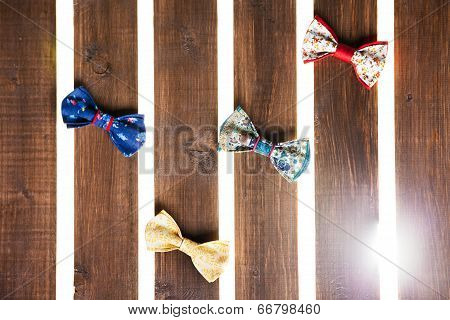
point(163, 234)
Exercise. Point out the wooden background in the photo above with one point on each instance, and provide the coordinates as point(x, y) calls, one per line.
point(345, 117)
point(265, 205)
point(106, 231)
point(265, 52)
point(185, 137)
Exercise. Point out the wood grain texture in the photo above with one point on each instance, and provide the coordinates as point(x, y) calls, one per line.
point(422, 141)
point(27, 150)
point(266, 204)
point(186, 137)
point(346, 161)
point(105, 181)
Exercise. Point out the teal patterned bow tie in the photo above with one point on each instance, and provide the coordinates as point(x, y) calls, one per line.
point(238, 134)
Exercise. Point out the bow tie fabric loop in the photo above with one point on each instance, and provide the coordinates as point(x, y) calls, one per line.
point(344, 53)
point(188, 247)
point(102, 120)
point(263, 147)
point(368, 60)
point(126, 132)
point(162, 234)
point(238, 134)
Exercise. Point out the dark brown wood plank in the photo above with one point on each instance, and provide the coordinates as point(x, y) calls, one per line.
point(346, 161)
point(186, 137)
point(422, 140)
point(266, 204)
point(27, 150)
point(105, 181)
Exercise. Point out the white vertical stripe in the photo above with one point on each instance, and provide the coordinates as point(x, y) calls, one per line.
point(387, 239)
point(146, 165)
point(225, 161)
point(306, 187)
point(65, 154)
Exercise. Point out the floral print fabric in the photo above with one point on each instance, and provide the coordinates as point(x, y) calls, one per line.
point(291, 158)
point(368, 60)
point(126, 132)
point(318, 42)
point(238, 134)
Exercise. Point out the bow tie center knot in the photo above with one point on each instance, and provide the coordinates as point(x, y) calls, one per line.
point(188, 247)
point(102, 120)
point(344, 53)
point(263, 147)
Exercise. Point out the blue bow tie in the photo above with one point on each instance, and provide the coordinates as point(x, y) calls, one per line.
point(238, 134)
point(126, 132)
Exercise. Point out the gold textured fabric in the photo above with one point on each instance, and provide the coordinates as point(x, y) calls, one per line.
point(163, 234)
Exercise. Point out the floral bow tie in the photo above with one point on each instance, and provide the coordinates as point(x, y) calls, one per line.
point(126, 132)
point(238, 134)
point(163, 234)
point(368, 60)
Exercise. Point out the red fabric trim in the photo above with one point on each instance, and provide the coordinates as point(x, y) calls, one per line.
point(95, 117)
point(373, 43)
point(359, 79)
point(108, 127)
point(316, 17)
point(271, 150)
point(321, 21)
point(256, 144)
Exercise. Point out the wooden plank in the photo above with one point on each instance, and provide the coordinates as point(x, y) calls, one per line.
point(186, 137)
point(105, 181)
point(422, 140)
point(27, 150)
point(266, 204)
point(346, 161)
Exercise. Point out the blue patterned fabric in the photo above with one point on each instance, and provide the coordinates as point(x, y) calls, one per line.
point(126, 132)
point(238, 134)
point(263, 146)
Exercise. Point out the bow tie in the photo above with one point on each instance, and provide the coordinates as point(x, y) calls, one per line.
point(238, 134)
point(163, 234)
point(126, 132)
point(368, 60)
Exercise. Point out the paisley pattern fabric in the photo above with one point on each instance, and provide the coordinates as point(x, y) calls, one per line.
point(162, 234)
point(126, 132)
point(238, 134)
point(368, 60)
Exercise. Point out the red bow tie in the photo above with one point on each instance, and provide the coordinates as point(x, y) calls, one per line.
point(368, 60)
